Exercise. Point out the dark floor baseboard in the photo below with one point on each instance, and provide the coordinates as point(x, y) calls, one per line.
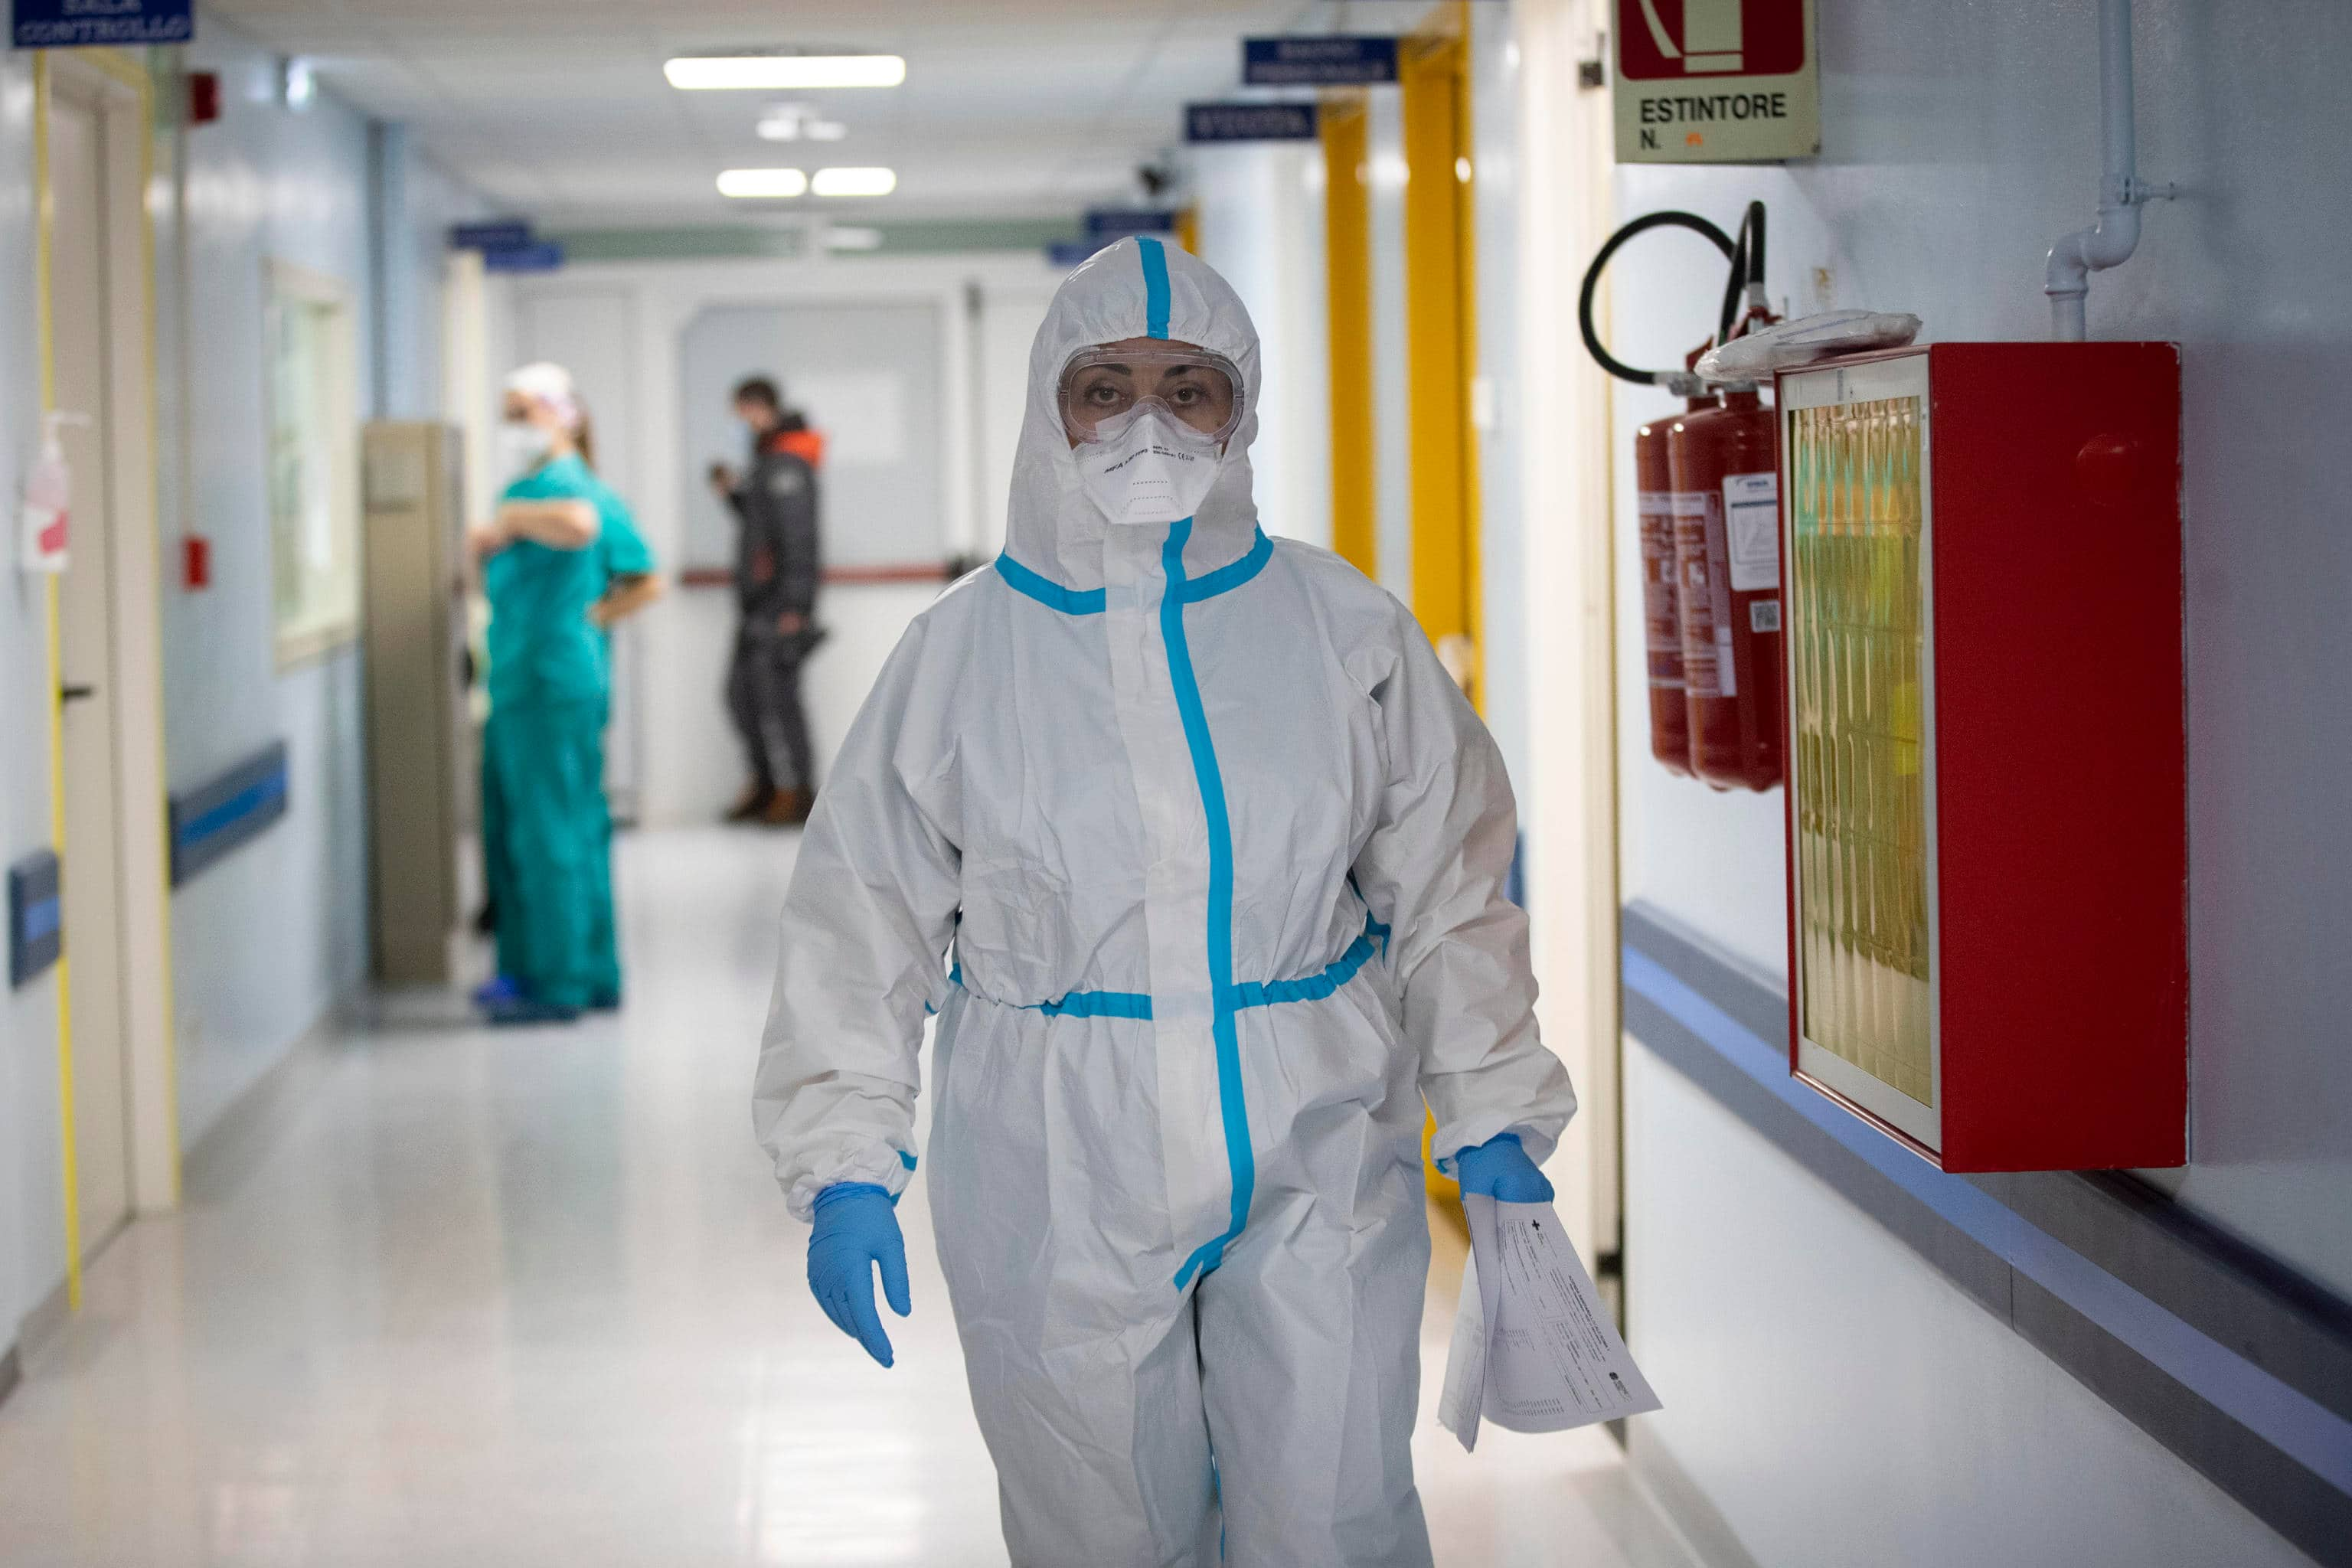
point(226, 1149)
point(1706, 1532)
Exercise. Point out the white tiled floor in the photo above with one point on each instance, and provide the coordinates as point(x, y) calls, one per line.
point(519, 1298)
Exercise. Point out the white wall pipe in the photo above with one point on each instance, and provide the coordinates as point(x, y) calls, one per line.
point(2110, 241)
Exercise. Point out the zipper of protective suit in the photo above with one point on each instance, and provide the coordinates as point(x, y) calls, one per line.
point(1241, 1159)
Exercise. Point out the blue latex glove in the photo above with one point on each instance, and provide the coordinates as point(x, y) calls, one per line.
point(1500, 1169)
point(856, 1227)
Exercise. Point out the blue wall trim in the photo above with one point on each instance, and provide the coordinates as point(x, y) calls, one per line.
point(36, 916)
point(217, 816)
point(2128, 1308)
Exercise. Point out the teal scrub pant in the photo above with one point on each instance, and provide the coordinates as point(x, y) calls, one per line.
point(547, 852)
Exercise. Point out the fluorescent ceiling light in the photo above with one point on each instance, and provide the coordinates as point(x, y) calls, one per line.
point(798, 121)
point(854, 181)
point(852, 239)
point(745, 182)
point(786, 73)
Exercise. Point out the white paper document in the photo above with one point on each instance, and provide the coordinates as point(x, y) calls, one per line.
point(1534, 1348)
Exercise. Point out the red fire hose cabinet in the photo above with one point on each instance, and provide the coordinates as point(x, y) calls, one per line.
point(1987, 834)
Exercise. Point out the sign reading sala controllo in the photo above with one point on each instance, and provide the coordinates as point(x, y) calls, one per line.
point(1716, 81)
point(88, 24)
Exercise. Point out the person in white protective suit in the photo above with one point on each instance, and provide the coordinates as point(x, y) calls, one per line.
point(1219, 849)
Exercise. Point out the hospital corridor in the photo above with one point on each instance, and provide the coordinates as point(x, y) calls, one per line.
point(1157, 784)
point(504, 1299)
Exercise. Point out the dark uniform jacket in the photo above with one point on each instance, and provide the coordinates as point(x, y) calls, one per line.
point(777, 559)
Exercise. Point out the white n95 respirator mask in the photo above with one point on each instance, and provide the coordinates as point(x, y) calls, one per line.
point(1144, 467)
point(522, 448)
point(1149, 427)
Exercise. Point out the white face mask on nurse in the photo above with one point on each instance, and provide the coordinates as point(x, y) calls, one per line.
point(1148, 421)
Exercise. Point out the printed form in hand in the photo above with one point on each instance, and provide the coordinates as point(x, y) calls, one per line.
point(1534, 1349)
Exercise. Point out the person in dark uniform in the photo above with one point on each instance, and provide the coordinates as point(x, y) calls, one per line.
point(777, 567)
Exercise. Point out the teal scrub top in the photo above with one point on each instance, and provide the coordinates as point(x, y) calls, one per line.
point(543, 647)
point(623, 549)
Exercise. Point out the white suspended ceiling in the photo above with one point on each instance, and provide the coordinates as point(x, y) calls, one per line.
point(557, 108)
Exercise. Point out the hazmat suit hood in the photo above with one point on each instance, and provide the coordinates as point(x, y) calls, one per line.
point(1139, 287)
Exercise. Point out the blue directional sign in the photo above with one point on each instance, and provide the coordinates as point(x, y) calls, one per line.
point(91, 24)
point(1338, 59)
point(1114, 223)
point(541, 255)
point(497, 234)
point(1249, 122)
point(1066, 254)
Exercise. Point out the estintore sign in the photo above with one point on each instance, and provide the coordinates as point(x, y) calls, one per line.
point(1716, 81)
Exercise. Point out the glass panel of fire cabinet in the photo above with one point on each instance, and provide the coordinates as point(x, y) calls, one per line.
point(1858, 630)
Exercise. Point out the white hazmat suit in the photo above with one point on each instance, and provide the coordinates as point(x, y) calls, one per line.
point(1220, 850)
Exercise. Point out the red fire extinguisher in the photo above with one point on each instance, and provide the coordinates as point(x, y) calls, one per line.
point(1710, 541)
point(1725, 463)
point(1661, 625)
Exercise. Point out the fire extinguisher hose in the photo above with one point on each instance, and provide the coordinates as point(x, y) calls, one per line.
point(1745, 254)
point(1747, 276)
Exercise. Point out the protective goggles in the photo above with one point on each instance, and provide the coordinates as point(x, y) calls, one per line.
point(1200, 390)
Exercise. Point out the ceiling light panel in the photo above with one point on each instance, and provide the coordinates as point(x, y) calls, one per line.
point(758, 183)
point(797, 122)
point(854, 181)
point(783, 73)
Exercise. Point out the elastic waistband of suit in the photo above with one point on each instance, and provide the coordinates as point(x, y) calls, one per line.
point(1163, 1004)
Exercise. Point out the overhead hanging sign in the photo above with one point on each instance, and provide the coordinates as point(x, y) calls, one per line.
point(497, 234)
point(1249, 122)
point(1326, 60)
point(92, 23)
point(507, 245)
point(1068, 254)
point(1716, 81)
point(1116, 223)
point(540, 256)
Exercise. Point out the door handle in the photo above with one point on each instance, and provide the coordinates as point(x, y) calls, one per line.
point(75, 693)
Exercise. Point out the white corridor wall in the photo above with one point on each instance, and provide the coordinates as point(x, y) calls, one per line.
point(1832, 1396)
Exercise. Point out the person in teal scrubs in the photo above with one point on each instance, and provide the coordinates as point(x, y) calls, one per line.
point(551, 558)
point(630, 585)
